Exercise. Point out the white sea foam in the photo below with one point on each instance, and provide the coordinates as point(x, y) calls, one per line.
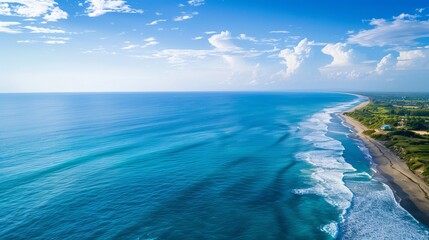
point(376, 215)
point(331, 229)
point(358, 176)
point(328, 162)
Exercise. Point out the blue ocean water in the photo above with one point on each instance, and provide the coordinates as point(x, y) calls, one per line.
point(190, 166)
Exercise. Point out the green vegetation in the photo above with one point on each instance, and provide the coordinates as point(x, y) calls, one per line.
point(408, 117)
point(410, 112)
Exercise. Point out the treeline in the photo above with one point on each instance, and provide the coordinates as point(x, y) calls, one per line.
point(375, 115)
point(409, 112)
point(412, 147)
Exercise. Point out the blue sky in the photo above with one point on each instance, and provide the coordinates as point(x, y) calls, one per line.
point(156, 45)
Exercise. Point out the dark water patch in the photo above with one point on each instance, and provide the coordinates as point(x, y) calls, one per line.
point(160, 155)
point(242, 189)
point(274, 191)
point(33, 176)
point(173, 206)
point(241, 160)
point(281, 139)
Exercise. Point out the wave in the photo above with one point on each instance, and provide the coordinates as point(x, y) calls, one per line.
point(376, 215)
point(329, 165)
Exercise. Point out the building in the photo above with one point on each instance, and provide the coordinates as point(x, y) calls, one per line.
point(386, 127)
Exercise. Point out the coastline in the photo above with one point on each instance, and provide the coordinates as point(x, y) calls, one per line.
point(410, 190)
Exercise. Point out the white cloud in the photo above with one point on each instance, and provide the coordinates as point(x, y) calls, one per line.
point(130, 46)
point(32, 8)
point(196, 2)
point(55, 42)
point(25, 41)
point(5, 9)
point(150, 41)
point(222, 48)
point(386, 63)
point(340, 54)
point(197, 38)
point(55, 14)
point(43, 30)
point(343, 65)
point(294, 57)
point(210, 32)
point(413, 59)
point(182, 18)
point(55, 38)
point(156, 22)
point(100, 7)
point(185, 16)
point(5, 27)
point(403, 29)
point(247, 38)
point(416, 59)
point(222, 41)
point(280, 31)
point(179, 56)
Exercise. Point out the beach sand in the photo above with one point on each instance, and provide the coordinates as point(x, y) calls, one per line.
point(410, 190)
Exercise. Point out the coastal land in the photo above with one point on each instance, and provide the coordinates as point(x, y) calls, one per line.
point(410, 189)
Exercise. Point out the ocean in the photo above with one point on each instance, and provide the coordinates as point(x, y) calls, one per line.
point(190, 166)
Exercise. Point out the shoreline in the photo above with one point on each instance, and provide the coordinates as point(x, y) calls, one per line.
point(410, 191)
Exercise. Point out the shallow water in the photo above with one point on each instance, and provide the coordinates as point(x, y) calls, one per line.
point(189, 166)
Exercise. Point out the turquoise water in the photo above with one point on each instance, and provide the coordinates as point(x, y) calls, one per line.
point(189, 166)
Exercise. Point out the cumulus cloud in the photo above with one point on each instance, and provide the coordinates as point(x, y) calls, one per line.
point(413, 59)
point(343, 64)
point(43, 30)
point(5, 27)
point(32, 9)
point(340, 54)
point(5, 9)
point(196, 2)
point(386, 63)
point(100, 7)
point(294, 57)
point(402, 29)
point(55, 15)
point(222, 41)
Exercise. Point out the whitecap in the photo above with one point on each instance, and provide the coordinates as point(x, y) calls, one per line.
point(329, 165)
point(331, 229)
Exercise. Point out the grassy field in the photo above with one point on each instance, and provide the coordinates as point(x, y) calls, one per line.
point(408, 117)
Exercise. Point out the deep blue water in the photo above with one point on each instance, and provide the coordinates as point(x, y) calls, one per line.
point(189, 166)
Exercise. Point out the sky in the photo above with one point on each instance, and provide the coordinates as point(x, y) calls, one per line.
point(214, 45)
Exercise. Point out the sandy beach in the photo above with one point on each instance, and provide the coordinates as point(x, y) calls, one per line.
point(409, 189)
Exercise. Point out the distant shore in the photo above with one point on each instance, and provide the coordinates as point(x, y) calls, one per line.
point(409, 189)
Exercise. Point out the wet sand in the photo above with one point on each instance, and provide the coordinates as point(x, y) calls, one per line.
point(410, 190)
